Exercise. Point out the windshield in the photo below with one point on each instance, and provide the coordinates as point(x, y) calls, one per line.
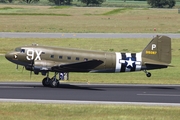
point(18, 49)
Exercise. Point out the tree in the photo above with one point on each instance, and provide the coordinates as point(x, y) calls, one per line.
point(30, 1)
point(161, 3)
point(93, 2)
point(5, 1)
point(61, 2)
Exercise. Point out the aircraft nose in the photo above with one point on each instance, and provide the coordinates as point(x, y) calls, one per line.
point(10, 56)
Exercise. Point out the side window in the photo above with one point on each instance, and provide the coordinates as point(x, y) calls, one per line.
point(22, 50)
point(85, 59)
point(60, 57)
point(52, 56)
point(77, 58)
point(69, 58)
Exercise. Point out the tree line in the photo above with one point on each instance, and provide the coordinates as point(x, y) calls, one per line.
point(152, 3)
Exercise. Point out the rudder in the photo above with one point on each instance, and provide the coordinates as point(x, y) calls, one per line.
point(158, 51)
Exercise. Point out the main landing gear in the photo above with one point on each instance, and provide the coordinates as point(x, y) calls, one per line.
point(50, 82)
point(148, 74)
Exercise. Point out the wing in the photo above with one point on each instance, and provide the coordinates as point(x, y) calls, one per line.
point(84, 66)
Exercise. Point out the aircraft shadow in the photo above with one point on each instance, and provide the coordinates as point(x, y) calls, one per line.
point(165, 88)
point(69, 86)
point(61, 86)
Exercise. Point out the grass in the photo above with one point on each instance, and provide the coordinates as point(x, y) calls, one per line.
point(24, 111)
point(35, 14)
point(171, 75)
point(39, 19)
point(116, 11)
point(17, 18)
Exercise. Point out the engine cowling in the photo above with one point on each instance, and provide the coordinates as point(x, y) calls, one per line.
point(42, 66)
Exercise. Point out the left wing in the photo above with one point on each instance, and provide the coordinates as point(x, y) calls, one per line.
point(84, 66)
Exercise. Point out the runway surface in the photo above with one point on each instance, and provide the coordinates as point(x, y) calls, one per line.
point(93, 93)
point(83, 35)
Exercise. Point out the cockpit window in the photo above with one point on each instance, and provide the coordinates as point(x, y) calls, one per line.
point(18, 49)
point(22, 50)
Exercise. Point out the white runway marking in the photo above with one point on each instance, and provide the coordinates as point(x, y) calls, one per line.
point(166, 95)
point(86, 102)
point(14, 87)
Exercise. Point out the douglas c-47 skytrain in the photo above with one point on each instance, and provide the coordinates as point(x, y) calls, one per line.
point(45, 59)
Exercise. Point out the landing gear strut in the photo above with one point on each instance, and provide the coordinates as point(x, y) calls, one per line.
point(53, 82)
point(148, 74)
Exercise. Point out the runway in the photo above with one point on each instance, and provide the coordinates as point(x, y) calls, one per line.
point(94, 93)
point(83, 35)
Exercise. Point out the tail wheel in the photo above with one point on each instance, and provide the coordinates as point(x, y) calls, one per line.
point(148, 74)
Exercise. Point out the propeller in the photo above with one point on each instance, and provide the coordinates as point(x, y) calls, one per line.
point(32, 65)
point(22, 69)
point(17, 66)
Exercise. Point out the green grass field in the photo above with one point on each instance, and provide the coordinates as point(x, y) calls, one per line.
point(24, 111)
point(18, 18)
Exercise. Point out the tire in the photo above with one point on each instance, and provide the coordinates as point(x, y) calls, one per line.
point(54, 83)
point(45, 82)
point(148, 74)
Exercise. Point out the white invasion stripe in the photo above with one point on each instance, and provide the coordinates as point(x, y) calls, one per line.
point(139, 61)
point(86, 102)
point(118, 64)
point(128, 55)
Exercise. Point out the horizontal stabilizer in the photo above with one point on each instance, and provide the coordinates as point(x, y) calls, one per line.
point(150, 66)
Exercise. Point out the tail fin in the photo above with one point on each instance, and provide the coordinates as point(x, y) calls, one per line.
point(158, 51)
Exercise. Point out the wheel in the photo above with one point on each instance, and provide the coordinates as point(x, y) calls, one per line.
point(148, 74)
point(54, 83)
point(46, 81)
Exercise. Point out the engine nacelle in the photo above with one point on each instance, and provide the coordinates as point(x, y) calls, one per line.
point(42, 66)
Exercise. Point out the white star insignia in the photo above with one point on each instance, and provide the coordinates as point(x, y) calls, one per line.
point(130, 62)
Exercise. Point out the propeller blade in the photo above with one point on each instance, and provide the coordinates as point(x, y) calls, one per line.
point(17, 67)
point(32, 64)
point(30, 74)
point(22, 69)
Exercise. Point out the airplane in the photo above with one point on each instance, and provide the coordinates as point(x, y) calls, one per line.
point(45, 59)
